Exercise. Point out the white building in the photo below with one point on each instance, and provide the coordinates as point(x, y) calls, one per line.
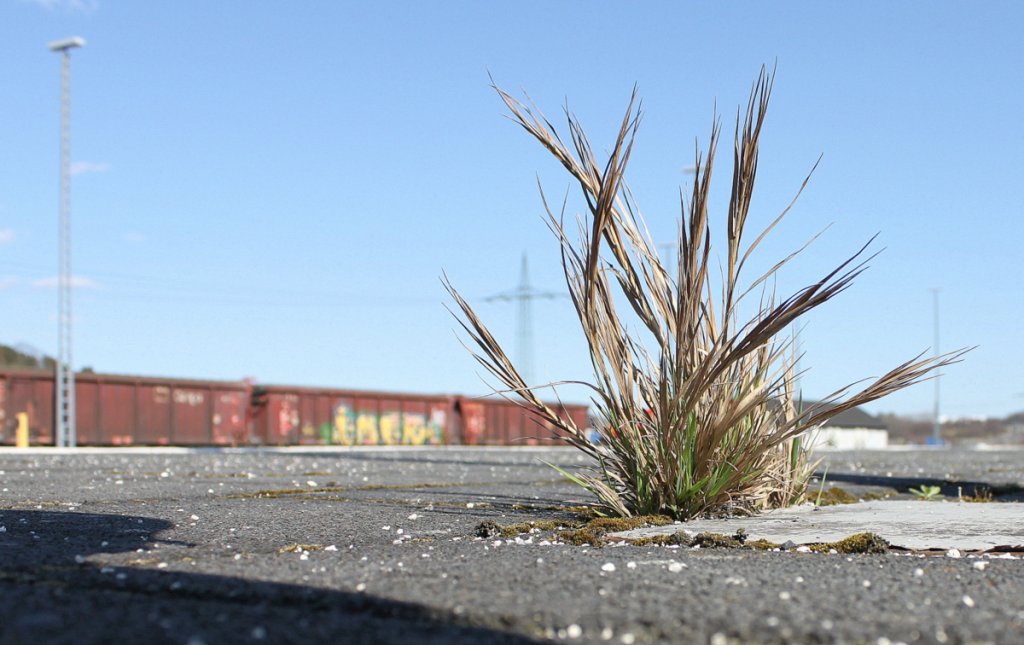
point(852, 429)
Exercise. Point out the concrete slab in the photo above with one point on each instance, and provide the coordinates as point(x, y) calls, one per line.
point(915, 525)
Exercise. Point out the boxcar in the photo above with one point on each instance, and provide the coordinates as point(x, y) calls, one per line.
point(284, 415)
point(125, 410)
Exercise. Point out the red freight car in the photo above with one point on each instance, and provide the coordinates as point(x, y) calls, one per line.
point(128, 410)
point(284, 415)
point(495, 421)
point(125, 410)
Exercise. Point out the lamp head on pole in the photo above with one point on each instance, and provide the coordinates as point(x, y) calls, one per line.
point(66, 44)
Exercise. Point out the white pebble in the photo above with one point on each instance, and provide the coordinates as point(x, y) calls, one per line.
point(866, 584)
point(676, 567)
point(573, 631)
point(968, 601)
point(953, 553)
point(918, 572)
point(361, 587)
point(980, 565)
point(311, 483)
point(413, 516)
point(608, 566)
point(627, 639)
point(631, 565)
point(330, 548)
point(785, 595)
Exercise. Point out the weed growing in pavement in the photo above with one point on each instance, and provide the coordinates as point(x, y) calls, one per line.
point(926, 492)
point(981, 495)
point(696, 407)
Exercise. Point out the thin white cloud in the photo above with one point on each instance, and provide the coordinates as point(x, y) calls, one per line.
point(7, 282)
point(82, 167)
point(69, 6)
point(6, 235)
point(77, 282)
point(133, 237)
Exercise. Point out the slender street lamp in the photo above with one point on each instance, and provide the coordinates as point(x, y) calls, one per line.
point(64, 417)
point(936, 422)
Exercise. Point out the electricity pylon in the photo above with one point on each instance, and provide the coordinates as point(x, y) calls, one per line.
point(524, 294)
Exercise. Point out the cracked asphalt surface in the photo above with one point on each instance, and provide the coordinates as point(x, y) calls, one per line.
point(380, 546)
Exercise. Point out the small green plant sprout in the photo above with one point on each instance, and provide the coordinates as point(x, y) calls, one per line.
point(694, 373)
point(924, 492)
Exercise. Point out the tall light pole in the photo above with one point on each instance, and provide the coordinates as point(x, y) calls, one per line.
point(936, 423)
point(64, 414)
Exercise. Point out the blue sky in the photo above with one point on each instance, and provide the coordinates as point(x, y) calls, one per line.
point(273, 189)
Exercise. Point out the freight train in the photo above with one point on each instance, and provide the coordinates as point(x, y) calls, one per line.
point(115, 410)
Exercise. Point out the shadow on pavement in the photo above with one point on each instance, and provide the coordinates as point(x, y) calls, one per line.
point(953, 489)
point(50, 593)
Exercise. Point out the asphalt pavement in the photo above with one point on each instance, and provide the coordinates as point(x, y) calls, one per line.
point(401, 545)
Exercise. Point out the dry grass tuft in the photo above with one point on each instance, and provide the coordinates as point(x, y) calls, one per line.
point(697, 410)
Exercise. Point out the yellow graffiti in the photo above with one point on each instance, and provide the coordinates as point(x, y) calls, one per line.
point(366, 429)
point(308, 431)
point(390, 429)
point(415, 431)
point(344, 428)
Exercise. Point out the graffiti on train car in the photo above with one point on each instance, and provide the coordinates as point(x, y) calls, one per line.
point(288, 415)
point(343, 431)
point(191, 398)
point(367, 428)
point(417, 430)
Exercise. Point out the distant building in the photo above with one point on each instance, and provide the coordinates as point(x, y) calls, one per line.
point(852, 429)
